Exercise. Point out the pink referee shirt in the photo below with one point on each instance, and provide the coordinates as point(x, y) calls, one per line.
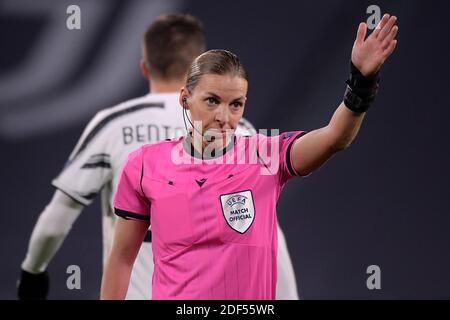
point(213, 221)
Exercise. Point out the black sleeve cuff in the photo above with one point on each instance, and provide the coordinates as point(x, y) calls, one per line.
point(288, 154)
point(71, 196)
point(131, 215)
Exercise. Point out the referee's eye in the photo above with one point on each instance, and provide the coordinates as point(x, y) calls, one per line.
point(237, 105)
point(212, 101)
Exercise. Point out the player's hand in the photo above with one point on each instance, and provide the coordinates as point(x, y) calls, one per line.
point(369, 54)
point(32, 286)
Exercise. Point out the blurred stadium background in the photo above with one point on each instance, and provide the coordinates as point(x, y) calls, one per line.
point(385, 201)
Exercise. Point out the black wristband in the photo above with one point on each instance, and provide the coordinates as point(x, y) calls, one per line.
point(33, 286)
point(361, 91)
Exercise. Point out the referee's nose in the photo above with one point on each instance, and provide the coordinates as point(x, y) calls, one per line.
point(222, 115)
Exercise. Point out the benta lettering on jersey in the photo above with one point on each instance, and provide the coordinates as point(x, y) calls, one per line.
point(149, 133)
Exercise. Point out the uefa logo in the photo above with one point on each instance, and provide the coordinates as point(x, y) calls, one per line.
point(238, 210)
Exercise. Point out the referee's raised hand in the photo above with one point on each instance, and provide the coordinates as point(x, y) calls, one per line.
point(369, 54)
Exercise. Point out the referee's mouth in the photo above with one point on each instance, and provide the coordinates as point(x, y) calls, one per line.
point(215, 135)
point(219, 133)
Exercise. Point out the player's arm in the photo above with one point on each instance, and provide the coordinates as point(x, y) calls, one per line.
point(51, 229)
point(128, 238)
point(84, 173)
point(313, 149)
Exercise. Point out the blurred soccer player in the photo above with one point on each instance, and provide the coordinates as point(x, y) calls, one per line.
point(170, 45)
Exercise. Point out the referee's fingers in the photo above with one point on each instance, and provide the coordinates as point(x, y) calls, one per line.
point(361, 35)
point(387, 28)
point(391, 36)
point(390, 49)
point(380, 25)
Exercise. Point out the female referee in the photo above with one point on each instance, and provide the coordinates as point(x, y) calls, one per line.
point(211, 207)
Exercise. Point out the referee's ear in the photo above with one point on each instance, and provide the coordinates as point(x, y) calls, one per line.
point(144, 70)
point(184, 98)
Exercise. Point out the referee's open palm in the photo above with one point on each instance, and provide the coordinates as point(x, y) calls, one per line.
point(369, 54)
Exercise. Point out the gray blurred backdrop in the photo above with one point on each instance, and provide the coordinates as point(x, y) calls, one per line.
point(385, 201)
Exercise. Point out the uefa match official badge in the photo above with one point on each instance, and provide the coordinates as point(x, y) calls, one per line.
point(238, 210)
